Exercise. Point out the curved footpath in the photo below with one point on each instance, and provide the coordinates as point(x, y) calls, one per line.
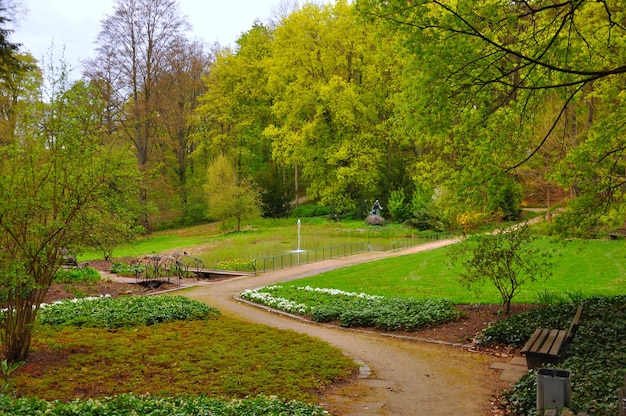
point(407, 377)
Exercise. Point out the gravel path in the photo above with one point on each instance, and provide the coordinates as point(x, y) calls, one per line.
point(399, 377)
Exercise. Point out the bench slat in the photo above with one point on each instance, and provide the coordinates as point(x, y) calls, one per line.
point(558, 343)
point(534, 339)
point(548, 341)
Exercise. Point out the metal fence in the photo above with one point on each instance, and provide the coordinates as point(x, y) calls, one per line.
point(295, 258)
point(422, 239)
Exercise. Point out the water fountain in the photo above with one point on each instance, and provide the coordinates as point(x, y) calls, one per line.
point(298, 250)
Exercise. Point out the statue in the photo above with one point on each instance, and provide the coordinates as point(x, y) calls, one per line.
point(374, 218)
point(376, 208)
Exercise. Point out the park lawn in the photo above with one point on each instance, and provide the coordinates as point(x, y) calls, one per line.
point(590, 267)
point(262, 238)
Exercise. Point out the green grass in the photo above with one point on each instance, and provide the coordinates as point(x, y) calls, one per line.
point(266, 237)
point(595, 267)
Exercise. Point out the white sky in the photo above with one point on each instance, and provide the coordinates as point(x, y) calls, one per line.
point(73, 25)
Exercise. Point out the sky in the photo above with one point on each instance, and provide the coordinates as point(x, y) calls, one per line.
point(73, 25)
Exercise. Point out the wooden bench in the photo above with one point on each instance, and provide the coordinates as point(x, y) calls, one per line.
point(548, 346)
point(615, 234)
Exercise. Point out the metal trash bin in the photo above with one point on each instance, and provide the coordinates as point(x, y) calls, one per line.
point(554, 389)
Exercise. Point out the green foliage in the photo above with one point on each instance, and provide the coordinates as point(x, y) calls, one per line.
point(398, 206)
point(236, 264)
point(59, 177)
point(332, 114)
point(506, 258)
point(229, 195)
point(180, 405)
point(309, 210)
point(504, 197)
point(546, 297)
point(596, 358)
point(7, 370)
point(125, 269)
point(355, 309)
point(107, 312)
point(87, 274)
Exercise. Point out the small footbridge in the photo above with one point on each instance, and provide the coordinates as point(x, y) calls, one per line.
point(176, 266)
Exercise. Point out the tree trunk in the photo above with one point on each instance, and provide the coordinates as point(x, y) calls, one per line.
point(18, 323)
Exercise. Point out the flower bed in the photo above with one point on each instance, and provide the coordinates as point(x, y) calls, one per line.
point(355, 309)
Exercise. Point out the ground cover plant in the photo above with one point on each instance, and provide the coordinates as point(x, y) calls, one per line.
point(354, 309)
point(596, 357)
point(108, 312)
point(194, 349)
point(181, 405)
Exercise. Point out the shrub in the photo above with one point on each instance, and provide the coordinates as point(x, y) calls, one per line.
point(398, 206)
point(309, 210)
point(125, 269)
point(86, 274)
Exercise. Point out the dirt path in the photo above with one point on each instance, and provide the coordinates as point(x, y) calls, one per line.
point(408, 378)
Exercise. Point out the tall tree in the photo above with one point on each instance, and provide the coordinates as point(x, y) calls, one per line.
point(134, 42)
point(8, 50)
point(180, 87)
point(487, 68)
point(332, 103)
point(235, 110)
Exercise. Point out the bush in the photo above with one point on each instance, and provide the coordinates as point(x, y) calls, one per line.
point(87, 274)
point(515, 330)
point(309, 210)
point(125, 269)
point(398, 206)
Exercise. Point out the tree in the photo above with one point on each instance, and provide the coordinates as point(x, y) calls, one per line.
point(484, 71)
point(236, 109)
point(507, 258)
point(230, 196)
point(8, 50)
point(57, 180)
point(133, 46)
point(180, 86)
point(332, 83)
